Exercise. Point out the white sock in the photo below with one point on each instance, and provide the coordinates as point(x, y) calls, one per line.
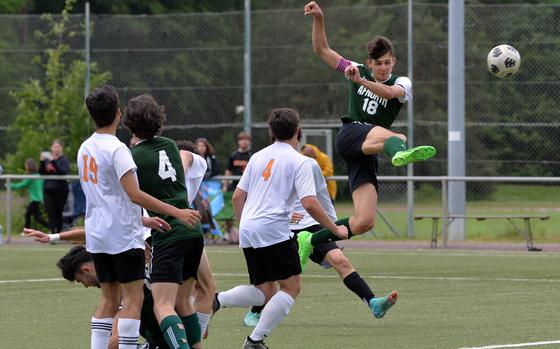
point(272, 315)
point(101, 332)
point(129, 330)
point(241, 297)
point(204, 319)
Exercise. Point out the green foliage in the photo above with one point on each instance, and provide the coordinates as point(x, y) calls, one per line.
point(52, 107)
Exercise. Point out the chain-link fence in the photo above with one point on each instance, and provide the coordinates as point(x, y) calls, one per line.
point(193, 64)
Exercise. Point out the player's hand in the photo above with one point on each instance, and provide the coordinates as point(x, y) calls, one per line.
point(189, 217)
point(155, 223)
point(341, 232)
point(352, 73)
point(312, 9)
point(296, 217)
point(36, 235)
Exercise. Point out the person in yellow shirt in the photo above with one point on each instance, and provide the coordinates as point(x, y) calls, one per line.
point(325, 163)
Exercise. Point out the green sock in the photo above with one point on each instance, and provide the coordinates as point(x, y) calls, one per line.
point(393, 145)
point(192, 328)
point(174, 332)
point(325, 235)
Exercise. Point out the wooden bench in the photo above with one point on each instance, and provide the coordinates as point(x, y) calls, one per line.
point(526, 219)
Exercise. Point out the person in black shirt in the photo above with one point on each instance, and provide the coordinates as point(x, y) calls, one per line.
point(236, 166)
point(55, 190)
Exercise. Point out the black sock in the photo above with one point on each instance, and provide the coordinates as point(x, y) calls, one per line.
point(257, 309)
point(356, 284)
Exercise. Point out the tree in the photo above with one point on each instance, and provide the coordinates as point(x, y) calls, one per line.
point(52, 107)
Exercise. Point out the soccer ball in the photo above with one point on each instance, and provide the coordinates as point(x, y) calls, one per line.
point(503, 60)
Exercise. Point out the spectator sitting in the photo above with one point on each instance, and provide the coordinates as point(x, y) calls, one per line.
point(35, 190)
point(325, 163)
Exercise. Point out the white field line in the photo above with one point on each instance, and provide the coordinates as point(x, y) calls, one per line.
point(28, 280)
point(317, 276)
point(402, 277)
point(518, 345)
point(426, 252)
point(418, 252)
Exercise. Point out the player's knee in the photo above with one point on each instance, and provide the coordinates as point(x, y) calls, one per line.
point(341, 263)
point(362, 226)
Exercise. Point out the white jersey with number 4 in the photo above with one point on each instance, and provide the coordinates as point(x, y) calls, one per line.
point(274, 178)
point(113, 223)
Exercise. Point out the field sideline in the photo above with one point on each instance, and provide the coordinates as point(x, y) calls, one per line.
point(448, 299)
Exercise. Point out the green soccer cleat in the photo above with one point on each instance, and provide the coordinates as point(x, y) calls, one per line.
point(304, 248)
point(379, 306)
point(251, 319)
point(405, 157)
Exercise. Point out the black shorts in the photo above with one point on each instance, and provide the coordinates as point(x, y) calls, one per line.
point(272, 263)
point(176, 261)
point(321, 250)
point(122, 267)
point(362, 168)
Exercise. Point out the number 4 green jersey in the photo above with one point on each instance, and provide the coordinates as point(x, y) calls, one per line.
point(160, 174)
point(366, 106)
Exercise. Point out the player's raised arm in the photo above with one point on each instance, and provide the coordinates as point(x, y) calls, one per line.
point(130, 185)
point(319, 37)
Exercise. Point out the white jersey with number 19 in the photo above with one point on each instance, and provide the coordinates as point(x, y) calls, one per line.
point(274, 178)
point(113, 223)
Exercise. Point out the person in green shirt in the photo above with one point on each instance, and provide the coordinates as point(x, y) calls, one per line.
point(35, 189)
point(376, 96)
point(176, 253)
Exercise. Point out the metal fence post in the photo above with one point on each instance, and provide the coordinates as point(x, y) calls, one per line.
point(87, 52)
point(8, 211)
point(410, 128)
point(444, 213)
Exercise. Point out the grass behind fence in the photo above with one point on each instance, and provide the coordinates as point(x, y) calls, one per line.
point(505, 199)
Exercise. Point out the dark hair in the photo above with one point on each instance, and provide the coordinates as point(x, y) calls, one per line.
point(102, 104)
point(283, 123)
point(209, 148)
point(71, 262)
point(143, 116)
point(31, 165)
point(187, 145)
point(379, 46)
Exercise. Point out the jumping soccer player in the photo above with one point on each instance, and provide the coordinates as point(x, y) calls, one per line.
point(114, 232)
point(176, 254)
point(262, 201)
point(376, 97)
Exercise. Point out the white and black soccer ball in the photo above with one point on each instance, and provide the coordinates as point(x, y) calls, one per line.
point(503, 60)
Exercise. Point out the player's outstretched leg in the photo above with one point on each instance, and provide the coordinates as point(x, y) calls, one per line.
point(400, 156)
point(380, 306)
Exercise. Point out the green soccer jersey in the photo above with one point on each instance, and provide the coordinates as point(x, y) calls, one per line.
point(160, 174)
point(366, 106)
